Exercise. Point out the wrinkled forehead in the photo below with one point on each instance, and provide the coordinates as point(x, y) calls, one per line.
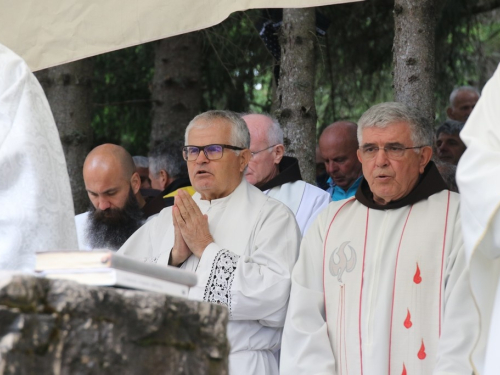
point(465, 97)
point(398, 132)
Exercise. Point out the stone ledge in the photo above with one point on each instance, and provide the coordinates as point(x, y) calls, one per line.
point(61, 327)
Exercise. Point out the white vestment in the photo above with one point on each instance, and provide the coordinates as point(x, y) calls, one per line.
point(81, 222)
point(478, 178)
point(36, 211)
point(247, 268)
point(306, 201)
point(381, 292)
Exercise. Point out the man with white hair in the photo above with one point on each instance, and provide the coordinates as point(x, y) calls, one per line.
point(462, 102)
point(381, 281)
point(241, 243)
point(278, 175)
point(168, 174)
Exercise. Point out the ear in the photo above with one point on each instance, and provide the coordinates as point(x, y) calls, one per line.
point(163, 176)
point(135, 182)
point(449, 112)
point(244, 158)
point(358, 153)
point(279, 152)
point(425, 157)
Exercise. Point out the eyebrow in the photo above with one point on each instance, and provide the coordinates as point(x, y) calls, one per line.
point(389, 144)
point(104, 192)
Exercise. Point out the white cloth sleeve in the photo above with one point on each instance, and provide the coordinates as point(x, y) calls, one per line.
point(314, 201)
point(459, 330)
point(306, 348)
point(255, 286)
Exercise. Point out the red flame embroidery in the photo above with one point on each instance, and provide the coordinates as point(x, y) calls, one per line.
point(408, 322)
point(421, 353)
point(404, 369)
point(417, 279)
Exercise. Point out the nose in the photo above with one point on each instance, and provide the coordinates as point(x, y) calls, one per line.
point(202, 158)
point(103, 204)
point(381, 159)
point(442, 148)
point(331, 167)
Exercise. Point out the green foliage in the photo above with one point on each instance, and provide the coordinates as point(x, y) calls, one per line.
point(122, 104)
point(236, 66)
point(354, 67)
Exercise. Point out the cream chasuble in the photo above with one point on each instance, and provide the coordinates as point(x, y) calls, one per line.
point(374, 290)
point(478, 177)
point(247, 268)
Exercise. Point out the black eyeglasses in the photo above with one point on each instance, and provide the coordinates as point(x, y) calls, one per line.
point(212, 152)
point(392, 152)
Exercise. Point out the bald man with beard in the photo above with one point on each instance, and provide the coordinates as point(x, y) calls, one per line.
point(112, 184)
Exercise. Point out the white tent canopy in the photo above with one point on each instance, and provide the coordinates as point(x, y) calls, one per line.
point(53, 32)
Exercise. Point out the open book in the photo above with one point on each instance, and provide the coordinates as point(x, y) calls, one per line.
point(106, 268)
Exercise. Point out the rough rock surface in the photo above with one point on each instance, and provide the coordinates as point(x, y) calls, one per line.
point(60, 327)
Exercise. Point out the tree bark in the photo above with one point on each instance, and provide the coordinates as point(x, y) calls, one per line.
point(297, 111)
point(68, 89)
point(414, 54)
point(176, 86)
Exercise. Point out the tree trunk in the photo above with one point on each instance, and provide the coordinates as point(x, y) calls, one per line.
point(68, 89)
point(297, 111)
point(414, 54)
point(176, 86)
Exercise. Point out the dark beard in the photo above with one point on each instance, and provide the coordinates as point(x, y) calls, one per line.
point(112, 227)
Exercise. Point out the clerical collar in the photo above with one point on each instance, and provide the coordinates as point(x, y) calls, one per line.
point(429, 183)
point(289, 172)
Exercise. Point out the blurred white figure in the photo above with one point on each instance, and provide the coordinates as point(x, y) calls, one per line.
point(478, 178)
point(36, 208)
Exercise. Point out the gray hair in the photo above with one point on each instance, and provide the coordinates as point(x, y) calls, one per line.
point(455, 92)
point(240, 135)
point(451, 127)
point(140, 161)
point(275, 133)
point(385, 114)
point(168, 156)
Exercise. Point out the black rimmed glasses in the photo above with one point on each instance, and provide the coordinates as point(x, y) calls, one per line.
point(212, 152)
point(392, 151)
point(264, 149)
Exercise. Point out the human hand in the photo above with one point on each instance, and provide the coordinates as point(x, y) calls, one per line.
point(192, 224)
point(180, 252)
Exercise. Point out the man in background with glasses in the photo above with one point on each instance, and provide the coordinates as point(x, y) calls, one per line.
point(381, 282)
point(241, 243)
point(279, 176)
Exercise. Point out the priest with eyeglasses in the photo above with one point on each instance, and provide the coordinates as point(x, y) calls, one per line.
point(241, 243)
point(381, 284)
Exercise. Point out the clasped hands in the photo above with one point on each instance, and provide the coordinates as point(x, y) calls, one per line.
point(192, 235)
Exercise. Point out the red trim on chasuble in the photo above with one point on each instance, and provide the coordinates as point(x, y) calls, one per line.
point(442, 260)
point(361, 291)
point(394, 285)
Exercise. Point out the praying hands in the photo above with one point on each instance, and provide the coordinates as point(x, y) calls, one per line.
point(192, 235)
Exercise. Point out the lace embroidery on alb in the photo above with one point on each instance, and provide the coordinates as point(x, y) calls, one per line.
point(218, 289)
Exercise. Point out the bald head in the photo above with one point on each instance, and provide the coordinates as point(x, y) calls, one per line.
point(338, 145)
point(109, 157)
point(109, 174)
point(462, 102)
